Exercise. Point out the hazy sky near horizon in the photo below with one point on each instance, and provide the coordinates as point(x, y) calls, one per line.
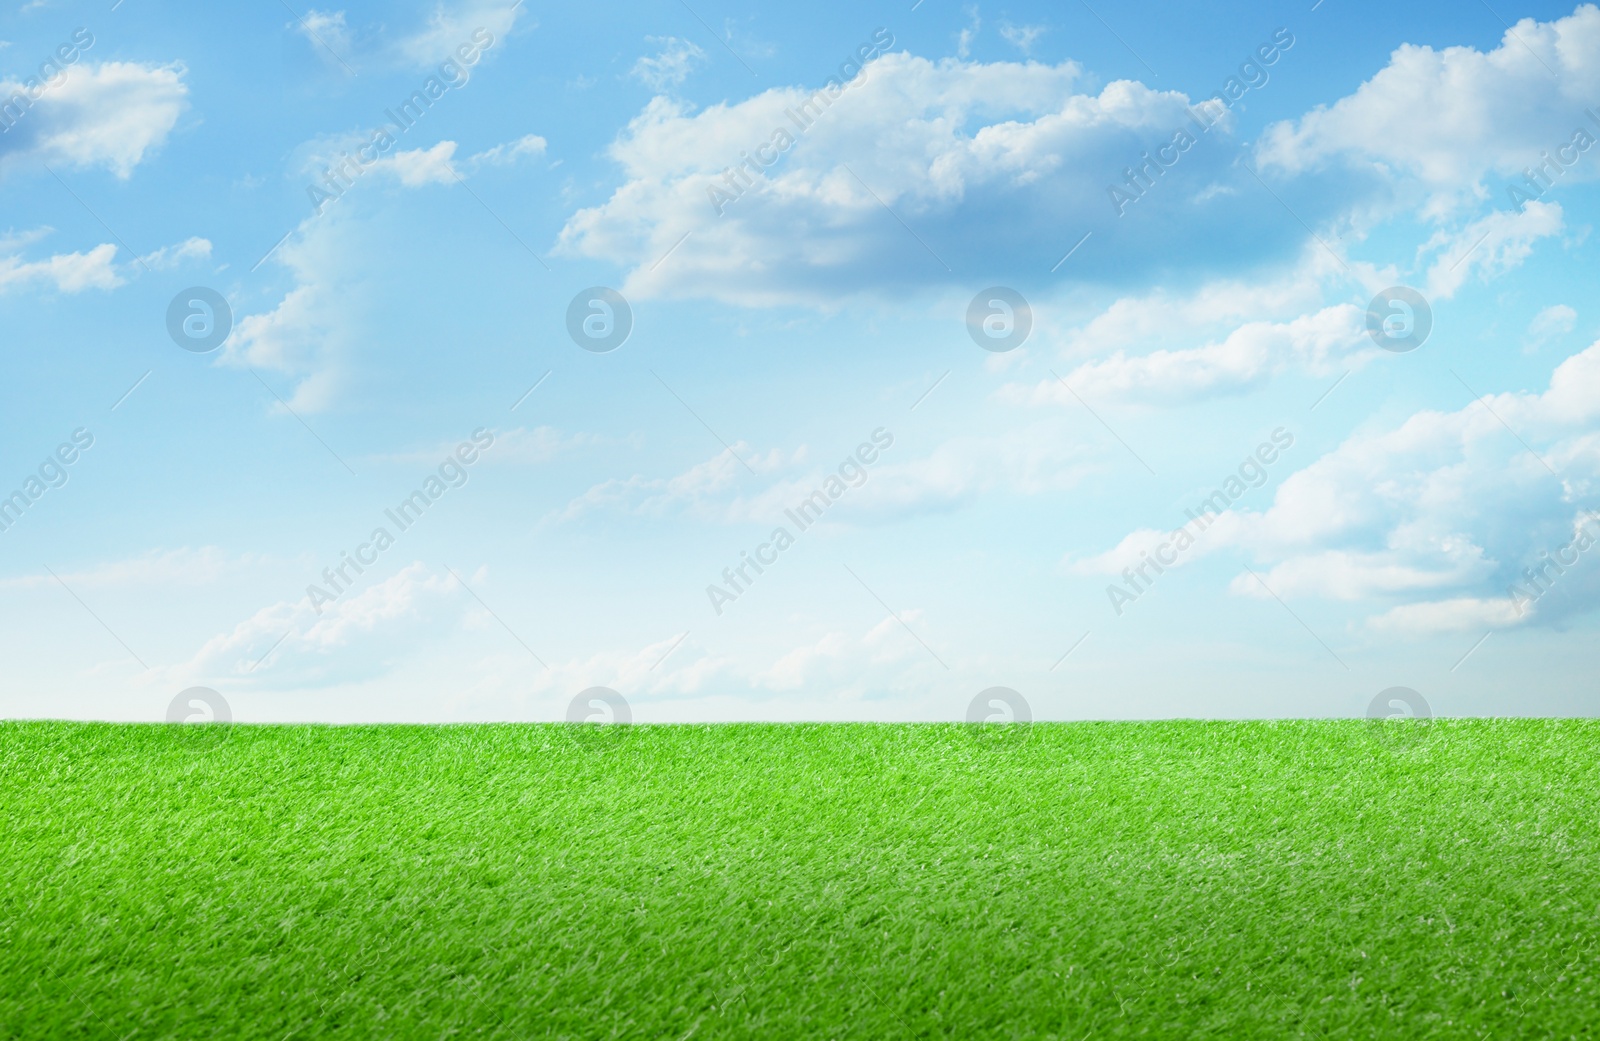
point(439, 361)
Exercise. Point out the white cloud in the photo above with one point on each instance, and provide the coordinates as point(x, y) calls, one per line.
point(662, 668)
point(851, 665)
point(1028, 460)
point(110, 115)
point(840, 657)
point(350, 638)
point(14, 241)
point(1322, 343)
point(418, 167)
point(67, 272)
point(1553, 322)
point(1443, 512)
point(965, 37)
point(968, 155)
point(698, 488)
point(1492, 245)
point(327, 32)
point(1022, 37)
point(1358, 575)
point(81, 271)
point(293, 338)
point(467, 23)
point(315, 329)
point(1451, 117)
point(1231, 335)
point(670, 66)
point(1463, 613)
point(510, 152)
point(369, 632)
point(312, 331)
point(1163, 317)
point(172, 256)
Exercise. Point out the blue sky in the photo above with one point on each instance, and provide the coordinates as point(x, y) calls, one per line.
point(1203, 329)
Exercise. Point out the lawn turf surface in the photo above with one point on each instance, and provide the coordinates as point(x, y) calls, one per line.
point(1104, 880)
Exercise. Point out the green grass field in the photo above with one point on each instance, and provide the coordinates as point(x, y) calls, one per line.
point(1163, 880)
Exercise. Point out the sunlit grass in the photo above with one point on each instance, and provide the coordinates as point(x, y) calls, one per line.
point(1171, 880)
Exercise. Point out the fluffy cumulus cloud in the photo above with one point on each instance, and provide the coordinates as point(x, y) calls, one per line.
point(110, 115)
point(1451, 118)
point(1450, 517)
point(311, 334)
point(918, 172)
